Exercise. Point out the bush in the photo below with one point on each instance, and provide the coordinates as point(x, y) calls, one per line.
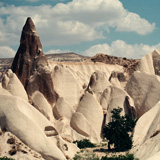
point(120, 157)
point(118, 131)
point(85, 143)
point(5, 158)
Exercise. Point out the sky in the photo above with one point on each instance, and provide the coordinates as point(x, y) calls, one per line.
point(123, 28)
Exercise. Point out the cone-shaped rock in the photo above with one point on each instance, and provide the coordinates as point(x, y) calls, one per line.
point(30, 64)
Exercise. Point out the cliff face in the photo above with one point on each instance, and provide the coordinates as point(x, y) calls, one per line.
point(30, 64)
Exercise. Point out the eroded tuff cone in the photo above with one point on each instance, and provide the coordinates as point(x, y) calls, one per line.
point(30, 64)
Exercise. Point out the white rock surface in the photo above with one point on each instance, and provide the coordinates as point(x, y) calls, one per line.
point(84, 70)
point(66, 85)
point(13, 85)
point(3, 91)
point(28, 124)
point(144, 89)
point(146, 64)
point(150, 63)
point(150, 150)
point(114, 97)
point(21, 150)
point(42, 105)
point(147, 125)
point(98, 83)
point(63, 109)
point(63, 127)
point(89, 113)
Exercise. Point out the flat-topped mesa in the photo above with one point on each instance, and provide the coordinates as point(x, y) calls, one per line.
point(30, 64)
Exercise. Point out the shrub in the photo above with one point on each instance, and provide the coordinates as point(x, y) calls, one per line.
point(119, 157)
point(85, 143)
point(117, 131)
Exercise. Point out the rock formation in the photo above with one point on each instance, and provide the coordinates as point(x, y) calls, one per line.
point(66, 84)
point(31, 66)
point(144, 89)
point(24, 121)
point(147, 134)
point(150, 123)
point(12, 84)
point(88, 118)
point(71, 98)
point(150, 63)
point(114, 97)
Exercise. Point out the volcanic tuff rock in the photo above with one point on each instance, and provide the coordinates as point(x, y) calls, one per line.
point(150, 63)
point(113, 97)
point(144, 89)
point(147, 134)
point(88, 89)
point(13, 85)
point(30, 64)
point(24, 121)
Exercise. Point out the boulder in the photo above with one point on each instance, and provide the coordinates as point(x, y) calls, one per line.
point(82, 126)
point(64, 128)
point(63, 109)
point(150, 123)
point(114, 97)
point(3, 91)
point(42, 105)
point(89, 114)
point(29, 125)
point(144, 89)
point(12, 84)
point(98, 83)
point(117, 78)
point(150, 150)
point(150, 63)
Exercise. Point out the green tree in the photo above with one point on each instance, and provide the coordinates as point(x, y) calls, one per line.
point(118, 131)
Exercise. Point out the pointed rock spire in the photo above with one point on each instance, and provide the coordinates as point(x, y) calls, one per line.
point(29, 26)
point(30, 62)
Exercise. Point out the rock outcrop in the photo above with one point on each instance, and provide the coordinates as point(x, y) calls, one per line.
point(31, 66)
point(129, 65)
point(150, 150)
point(66, 84)
point(29, 125)
point(150, 123)
point(41, 104)
point(114, 97)
point(144, 89)
point(88, 118)
point(150, 63)
point(98, 83)
point(147, 134)
point(71, 98)
point(11, 83)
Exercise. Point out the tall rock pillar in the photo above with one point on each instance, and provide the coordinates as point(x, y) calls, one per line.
point(31, 66)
